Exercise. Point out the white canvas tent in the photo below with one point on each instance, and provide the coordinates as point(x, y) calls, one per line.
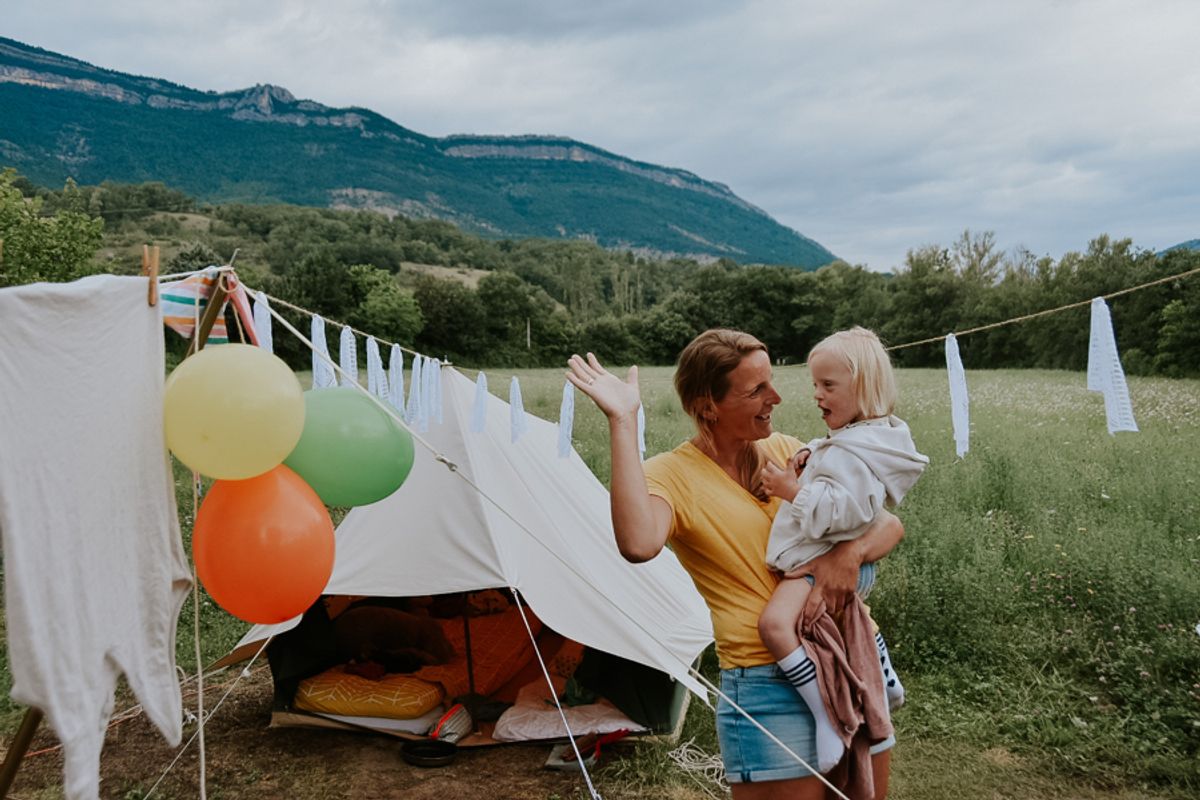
point(437, 534)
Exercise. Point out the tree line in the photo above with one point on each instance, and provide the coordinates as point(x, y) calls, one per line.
point(535, 301)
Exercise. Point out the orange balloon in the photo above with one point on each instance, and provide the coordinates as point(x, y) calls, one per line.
point(263, 546)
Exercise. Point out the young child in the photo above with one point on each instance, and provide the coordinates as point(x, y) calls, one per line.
point(833, 489)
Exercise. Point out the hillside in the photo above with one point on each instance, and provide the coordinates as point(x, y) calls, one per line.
point(66, 118)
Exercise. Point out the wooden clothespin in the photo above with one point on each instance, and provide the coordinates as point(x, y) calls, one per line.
point(150, 268)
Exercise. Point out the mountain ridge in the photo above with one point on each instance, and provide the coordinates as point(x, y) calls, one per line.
point(262, 144)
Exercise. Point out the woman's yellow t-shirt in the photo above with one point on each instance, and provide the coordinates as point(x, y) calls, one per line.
point(719, 533)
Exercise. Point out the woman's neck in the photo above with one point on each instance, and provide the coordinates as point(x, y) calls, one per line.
point(725, 453)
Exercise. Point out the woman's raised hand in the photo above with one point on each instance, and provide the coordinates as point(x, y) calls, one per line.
point(615, 397)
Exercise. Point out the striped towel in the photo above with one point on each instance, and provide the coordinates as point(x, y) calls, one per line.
point(183, 302)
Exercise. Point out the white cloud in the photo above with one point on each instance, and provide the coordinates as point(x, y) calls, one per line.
point(872, 127)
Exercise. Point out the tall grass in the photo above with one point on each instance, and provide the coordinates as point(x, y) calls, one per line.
point(1047, 592)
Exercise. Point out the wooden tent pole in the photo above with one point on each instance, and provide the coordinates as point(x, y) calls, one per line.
point(18, 748)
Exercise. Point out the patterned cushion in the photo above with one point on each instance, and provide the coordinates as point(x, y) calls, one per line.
point(396, 696)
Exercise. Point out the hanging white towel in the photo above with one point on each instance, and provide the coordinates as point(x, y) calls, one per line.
point(1105, 373)
point(322, 368)
point(262, 322)
point(376, 378)
point(348, 358)
point(396, 379)
point(413, 412)
point(94, 568)
point(566, 420)
point(516, 410)
point(641, 423)
point(960, 414)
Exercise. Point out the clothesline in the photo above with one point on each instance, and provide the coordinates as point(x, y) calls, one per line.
point(1048, 311)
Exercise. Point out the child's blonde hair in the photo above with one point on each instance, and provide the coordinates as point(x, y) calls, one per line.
point(871, 377)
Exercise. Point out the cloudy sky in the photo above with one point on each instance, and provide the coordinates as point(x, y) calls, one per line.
point(872, 127)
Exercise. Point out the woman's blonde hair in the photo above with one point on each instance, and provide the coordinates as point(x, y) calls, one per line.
point(871, 378)
point(702, 379)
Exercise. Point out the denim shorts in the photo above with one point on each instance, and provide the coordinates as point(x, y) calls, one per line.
point(765, 694)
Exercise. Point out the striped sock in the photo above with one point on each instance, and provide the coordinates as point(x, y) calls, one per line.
point(891, 681)
point(802, 673)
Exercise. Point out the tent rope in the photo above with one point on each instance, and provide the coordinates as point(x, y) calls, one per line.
point(554, 554)
point(554, 693)
point(233, 684)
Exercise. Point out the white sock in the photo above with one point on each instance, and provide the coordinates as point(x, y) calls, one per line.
point(802, 673)
point(891, 681)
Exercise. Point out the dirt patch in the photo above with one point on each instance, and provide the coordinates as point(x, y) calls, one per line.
point(246, 759)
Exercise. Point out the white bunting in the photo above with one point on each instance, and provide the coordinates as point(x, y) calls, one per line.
point(348, 358)
point(431, 375)
point(566, 420)
point(960, 415)
point(1105, 373)
point(479, 410)
point(641, 423)
point(322, 368)
point(376, 378)
point(396, 379)
point(413, 412)
point(262, 322)
point(516, 410)
point(435, 385)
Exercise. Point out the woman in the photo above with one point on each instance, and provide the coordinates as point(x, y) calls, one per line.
point(706, 498)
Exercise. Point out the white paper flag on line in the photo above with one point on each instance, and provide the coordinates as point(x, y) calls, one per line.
point(517, 409)
point(323, 374)
point(376, 378)
point(431, 376)
point(1105, 373)
point(413, 411)
point(348, 358)
point(566, 420)
point(641, 423)
point(960, 414)
point(479, 410)
point(435, 381)
point(396, 379)
point(262, 322)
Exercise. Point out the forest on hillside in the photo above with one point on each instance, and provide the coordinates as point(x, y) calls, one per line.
point(532, 302)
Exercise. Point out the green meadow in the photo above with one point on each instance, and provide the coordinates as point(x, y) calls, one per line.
point(1042, 609)
point(1045, 600)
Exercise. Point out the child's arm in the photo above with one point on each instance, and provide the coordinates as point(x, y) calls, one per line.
point(843, 495)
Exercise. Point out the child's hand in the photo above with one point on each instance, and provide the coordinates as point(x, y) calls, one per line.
point(798, 461)
point(780, 482)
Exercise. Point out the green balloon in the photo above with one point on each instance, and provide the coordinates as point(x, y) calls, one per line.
point(351, 452)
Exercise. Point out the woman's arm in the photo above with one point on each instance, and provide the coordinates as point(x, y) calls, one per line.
point(641, 523)
point(836, 573)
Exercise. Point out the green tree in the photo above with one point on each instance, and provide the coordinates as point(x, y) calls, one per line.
point(42, 248)
point(380, 307)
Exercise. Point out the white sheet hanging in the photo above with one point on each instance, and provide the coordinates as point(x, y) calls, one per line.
point(95, 573)
point(960, 412)
point(1105, 373)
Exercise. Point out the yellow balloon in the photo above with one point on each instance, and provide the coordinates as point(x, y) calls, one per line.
point(232, 411)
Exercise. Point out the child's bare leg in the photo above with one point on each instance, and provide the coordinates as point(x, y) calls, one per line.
point(778, 625)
